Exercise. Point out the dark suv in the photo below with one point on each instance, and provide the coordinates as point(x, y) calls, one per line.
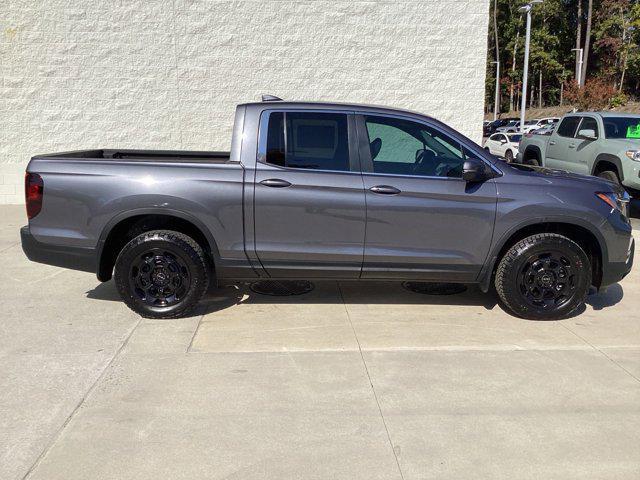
point(491, 128)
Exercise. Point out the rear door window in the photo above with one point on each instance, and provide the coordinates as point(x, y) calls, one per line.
point(568, 126)
point(308, 140)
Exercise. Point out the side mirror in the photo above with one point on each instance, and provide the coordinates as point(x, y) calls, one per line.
point(474, 170)
point(503, 141)
point(587, 134)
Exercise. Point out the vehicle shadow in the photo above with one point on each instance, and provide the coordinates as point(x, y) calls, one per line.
point(354, 292)
point(606, 298)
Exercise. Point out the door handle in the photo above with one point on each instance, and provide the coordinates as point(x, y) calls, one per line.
point(385, 190)
point(275, 183)
point(552, 143)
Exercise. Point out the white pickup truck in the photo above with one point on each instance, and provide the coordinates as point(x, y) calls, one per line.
point(605, 144)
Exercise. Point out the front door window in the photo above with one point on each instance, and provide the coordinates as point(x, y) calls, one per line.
point(403, 147)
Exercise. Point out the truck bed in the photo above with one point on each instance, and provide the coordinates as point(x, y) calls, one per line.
point(179, 156)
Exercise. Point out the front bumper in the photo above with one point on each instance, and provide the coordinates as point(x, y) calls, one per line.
point(613, 272)
point(631, 174)
point(74, 258)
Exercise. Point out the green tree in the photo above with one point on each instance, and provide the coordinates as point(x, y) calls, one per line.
point(607, 30)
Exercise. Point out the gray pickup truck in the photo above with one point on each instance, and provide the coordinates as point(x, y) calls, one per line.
point(327, 191)
point(604, 144)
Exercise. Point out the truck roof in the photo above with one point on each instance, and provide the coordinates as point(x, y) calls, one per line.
point(607, 114)
point(333, 105)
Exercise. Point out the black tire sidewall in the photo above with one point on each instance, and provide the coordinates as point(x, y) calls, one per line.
point(609, 175)
point(534, 161)
point(177, 244)
point(509, 291)
point(508, 156)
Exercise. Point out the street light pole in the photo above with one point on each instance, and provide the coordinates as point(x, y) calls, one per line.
point(527, 8)
point(496, 106)
point(579, 50)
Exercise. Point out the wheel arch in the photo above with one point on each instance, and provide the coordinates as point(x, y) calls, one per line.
point(605, 159)
point(532, 150)
point(590, 241)
point(122, 228)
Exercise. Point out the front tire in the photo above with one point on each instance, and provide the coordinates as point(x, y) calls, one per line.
point(610, 175)
point(161, 274)
point(543, 277)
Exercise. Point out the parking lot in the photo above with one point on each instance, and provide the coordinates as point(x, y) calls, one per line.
point(350, 381)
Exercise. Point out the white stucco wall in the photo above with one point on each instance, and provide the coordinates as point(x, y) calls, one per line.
point(79, 74)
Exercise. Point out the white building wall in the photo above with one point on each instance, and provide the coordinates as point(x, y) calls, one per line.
point(165, 74)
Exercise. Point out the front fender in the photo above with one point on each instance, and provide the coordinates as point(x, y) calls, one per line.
point(528, 200)
point(610, 158)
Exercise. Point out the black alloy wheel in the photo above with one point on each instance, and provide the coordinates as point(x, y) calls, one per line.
point(547, 280)
point(159, 277)
point(543, 277)
point(162, 274)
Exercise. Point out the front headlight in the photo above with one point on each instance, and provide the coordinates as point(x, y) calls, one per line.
point(616, 201)
point(633, 155)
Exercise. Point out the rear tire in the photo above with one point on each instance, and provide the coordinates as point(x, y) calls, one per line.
point(543, 277)
point(161, 274)
point(610, 175)
point(531, 159)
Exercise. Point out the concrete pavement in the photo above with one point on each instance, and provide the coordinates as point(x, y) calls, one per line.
point(353, 380)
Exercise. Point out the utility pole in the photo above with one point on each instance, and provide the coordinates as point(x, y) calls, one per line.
point(579, 74)
point(496, 106)
point(527, 9)
point(540, 90)
point(513, 69)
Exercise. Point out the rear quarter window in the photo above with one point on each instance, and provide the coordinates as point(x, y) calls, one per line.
point(308, 140)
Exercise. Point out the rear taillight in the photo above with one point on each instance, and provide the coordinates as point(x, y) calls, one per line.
point(33, 190)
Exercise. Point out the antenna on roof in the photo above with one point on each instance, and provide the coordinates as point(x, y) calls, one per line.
point(271, 98)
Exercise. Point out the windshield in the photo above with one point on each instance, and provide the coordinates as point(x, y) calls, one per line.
point(531, 122)
point(515, 138)
point(622, 127)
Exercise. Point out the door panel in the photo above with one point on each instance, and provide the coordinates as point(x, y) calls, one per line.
point(501, 147)
point(557, 150)
point(309, 202)
point(423, 221)
point(581, 150)
point(559, 141)
point(435, 228)
point(314, 227)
